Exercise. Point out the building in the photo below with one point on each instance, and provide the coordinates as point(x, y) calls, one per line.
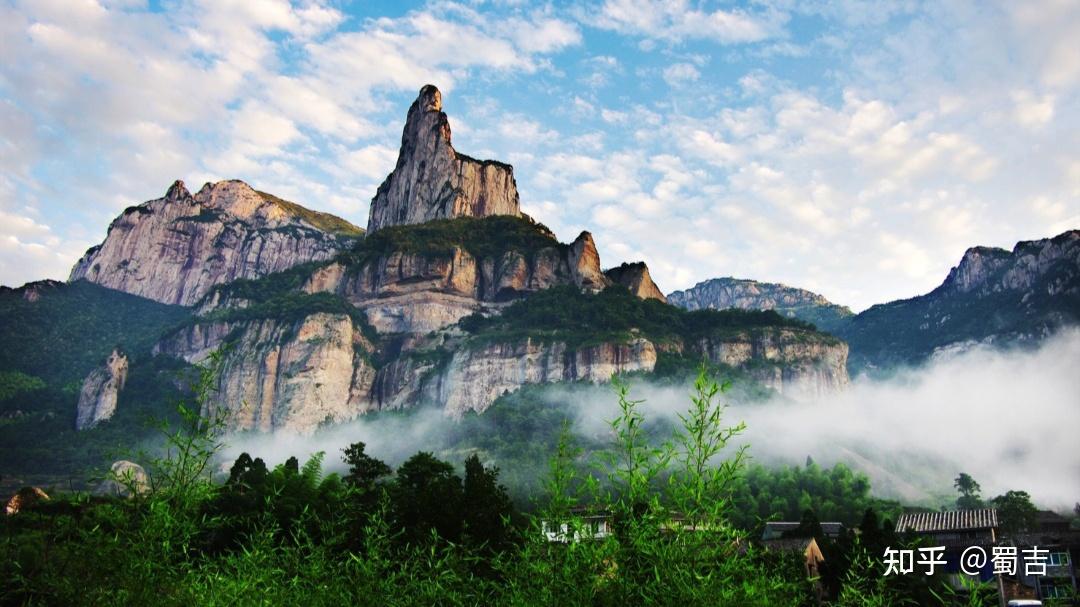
point(1051, 532)
point(958, 530)
point(584, 523)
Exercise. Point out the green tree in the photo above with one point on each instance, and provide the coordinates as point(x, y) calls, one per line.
point(486, 505)
point(969, 491)
point(364, 471)
point(427, 496)
point(1016, 513)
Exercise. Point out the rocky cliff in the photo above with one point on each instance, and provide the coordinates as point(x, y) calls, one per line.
point(404, 291)
point(635, 276)
point(100, 390)
point(992, 296)
point(791, 362)
point(174, 249)
point(727, 292)
point(280, 373)
point(433, 181)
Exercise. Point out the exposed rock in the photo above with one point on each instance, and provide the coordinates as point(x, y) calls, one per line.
point(174, 249)
point(125, 479)
point(418, 293)
point(433, 181)
point(723, 293)
point(33, 291)
point(784, 360)
point(585, 263)
point(282, 374)
point(636, 278)
point(475, 377)
point(25, 498)
point(988, 269)
point(993, 296)
point(100, 390)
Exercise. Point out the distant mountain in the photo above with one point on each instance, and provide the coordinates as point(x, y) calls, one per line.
point(727, 292)
point(992, 296)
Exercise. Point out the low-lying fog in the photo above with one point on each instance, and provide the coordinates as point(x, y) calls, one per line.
point(1009, 419)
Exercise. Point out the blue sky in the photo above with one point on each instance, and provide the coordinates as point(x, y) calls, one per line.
point(852, 148)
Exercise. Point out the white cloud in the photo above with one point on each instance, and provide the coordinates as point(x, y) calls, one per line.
point(678, 74)
point(676, 20)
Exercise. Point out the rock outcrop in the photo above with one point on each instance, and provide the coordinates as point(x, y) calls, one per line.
point(174, 249)
point(125, 479)
point(727, 292)
point(636, 278)
point(24, 498)
point(433, 181)
point(282, 374)
point(100, 391)
point(986, 270)
point(993, 296)
point(416, 293)
point(474, 377)
point(784, 360)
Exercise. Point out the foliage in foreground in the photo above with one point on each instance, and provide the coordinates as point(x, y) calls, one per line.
point(422, 535)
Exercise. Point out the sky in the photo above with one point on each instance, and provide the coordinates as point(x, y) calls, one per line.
point(852, 148)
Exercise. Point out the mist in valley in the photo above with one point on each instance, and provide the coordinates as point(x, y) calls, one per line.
point(1010, 418)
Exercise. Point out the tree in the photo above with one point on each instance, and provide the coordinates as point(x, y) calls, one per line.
point(969, 492)
point(1016, 513)
point(364, 471)
point(426, 496)
point(487, 506)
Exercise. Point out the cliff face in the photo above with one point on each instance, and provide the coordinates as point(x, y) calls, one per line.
point(992, 296)
point(433, 181)
point(297, 375)
point(475, 377)
point(723, 293)
point(100, 390)
point(1052, 261)
point(403, 292)
point(635, 276)
point(280, 374)
point(174, 249)
point(783, 360)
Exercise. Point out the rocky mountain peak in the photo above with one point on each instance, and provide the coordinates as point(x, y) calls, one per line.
point(585, 263)
point(992, 269)
point(635, 276)
point(175, 248)
point(177, 191)
point(431, 180)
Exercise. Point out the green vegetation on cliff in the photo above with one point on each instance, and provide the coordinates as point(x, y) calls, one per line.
point(53, 339)
point(323, 221)
point(71, 328)
point(480, 236)
point(579, 318)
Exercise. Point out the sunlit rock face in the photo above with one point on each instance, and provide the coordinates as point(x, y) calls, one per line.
point(175, 248)
point(100, 391)
point(280, 374)
point(636, 278)
point(433, 181)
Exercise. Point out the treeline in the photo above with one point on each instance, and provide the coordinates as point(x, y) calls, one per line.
point(425, 535)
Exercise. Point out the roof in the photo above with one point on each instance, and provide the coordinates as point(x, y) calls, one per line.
point(777, 529)
point(953, 520)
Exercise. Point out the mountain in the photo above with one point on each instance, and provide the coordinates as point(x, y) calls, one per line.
point(727, 292)
point(452, 299)
point(992, 296)
point(174, 249)
point(433, 181)
point(58, 341)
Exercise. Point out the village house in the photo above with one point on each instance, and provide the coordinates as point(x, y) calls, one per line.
point(958, 530)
